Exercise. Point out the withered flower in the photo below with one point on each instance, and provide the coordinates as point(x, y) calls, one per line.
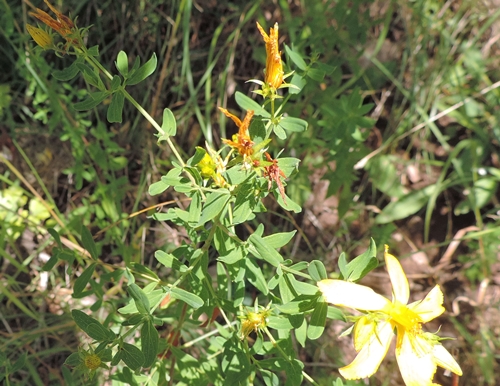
point(41, 37)
point(63, 25)
point(274, 66)
point(241, 141)
point(274, 173)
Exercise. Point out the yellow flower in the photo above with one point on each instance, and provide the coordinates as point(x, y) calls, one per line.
point(41, 37)
point(62, 25)
point(418, 353)
point(206, 166)
point(212, 166)
point(274, 66)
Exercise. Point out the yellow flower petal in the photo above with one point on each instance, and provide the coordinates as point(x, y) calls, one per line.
point(444, 359)
point(371, 355)
point(431, 306)
point(416, 370)
point(364, 329)
point(343, 293)
point(400, 287)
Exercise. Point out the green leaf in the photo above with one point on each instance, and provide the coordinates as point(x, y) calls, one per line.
point(193, 300)
point(294, 373)
point(73, 360)
point(279, 323)
point(216, 201)
point(149, 343)
point(143, 72)
point(122, 63)
point(233, 256)
point(362, 264)
point(92, 101)
point(316, 74)
point(144, 271)
point(335, 314)
point(19, 364)
point(68, 73)
point(88, 243)
point(406, 206)
point(481, 194)
point(115, 83)
point(247, 103)
point(172, 177)
point(83, 279)
point(51, 263)
point(301, 304)
point(92, 327)
point(55, 235)
point(158, 187)
point(289, 205)
point(195, 208)
point(301, 333)
point(154, 298)
point(140, 298)
point(288, 165)
point(132, 356)
point(296, 58)
point(269, 378)
point(97, 331)
point(317, 270)
point(255, 276)
point(169, 260)
point(296, 125)
point(169, 124)
point(263, 251)
point(318, 320)
point(299, 82)
point(279, 240)
point(117, 358)
point(278, 130)
point(343, 264)
point(90, 76)
point(115, 108)
point(93, 51)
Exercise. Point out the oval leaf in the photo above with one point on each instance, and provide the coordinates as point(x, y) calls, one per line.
point(193, 300)
point(132, 356)
point(143, 72)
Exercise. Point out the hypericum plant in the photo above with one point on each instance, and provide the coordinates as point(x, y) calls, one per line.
point(217, 309)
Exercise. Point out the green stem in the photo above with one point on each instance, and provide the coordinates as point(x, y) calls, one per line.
point(271, 338)
point(95, 63)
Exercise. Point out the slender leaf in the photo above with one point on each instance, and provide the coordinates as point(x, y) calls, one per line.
point(115, 109)
point(149, 343)
point(83, 279)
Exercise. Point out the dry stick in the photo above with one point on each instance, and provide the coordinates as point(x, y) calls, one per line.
point(361, 164)
point(161, 204)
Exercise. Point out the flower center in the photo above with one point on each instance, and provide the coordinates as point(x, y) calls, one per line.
point(406, 318)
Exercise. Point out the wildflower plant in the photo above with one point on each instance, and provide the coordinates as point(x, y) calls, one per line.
point(248, 314)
